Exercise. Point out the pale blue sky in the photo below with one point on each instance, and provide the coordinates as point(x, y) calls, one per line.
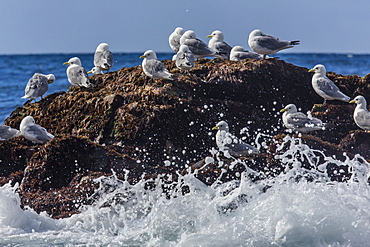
point(47, 26)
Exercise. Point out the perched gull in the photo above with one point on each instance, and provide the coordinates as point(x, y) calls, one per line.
point(184, 58)
point(361, 115)
point(38, 85)
point(34, 132)
point(95, 71)
point(266, 44)
point(218, 44)
point(239, 53)
point(226, 142)
point(76, 74)
point(324, 86)
point(196, 46)
point(299, 121)
point(7, 133)
point(174, 39)
point(103, 58)
point(153, 67)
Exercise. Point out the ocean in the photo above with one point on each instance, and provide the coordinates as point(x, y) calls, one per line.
point(292, 212)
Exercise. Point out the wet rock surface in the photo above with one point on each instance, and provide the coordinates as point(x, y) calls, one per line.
point(133, 125)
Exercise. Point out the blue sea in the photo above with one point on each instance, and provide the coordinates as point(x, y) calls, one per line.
point(292, 212)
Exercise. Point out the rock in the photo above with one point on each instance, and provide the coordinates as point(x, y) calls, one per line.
point(128, 122)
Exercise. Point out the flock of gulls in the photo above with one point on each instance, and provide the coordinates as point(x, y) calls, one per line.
point(187, 48)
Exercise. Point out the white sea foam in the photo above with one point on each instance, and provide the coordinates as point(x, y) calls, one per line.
point(298, 208)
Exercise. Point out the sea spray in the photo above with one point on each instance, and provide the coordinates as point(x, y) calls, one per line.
point(299, 207)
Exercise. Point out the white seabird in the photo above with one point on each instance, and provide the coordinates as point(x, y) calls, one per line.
point(226, 142)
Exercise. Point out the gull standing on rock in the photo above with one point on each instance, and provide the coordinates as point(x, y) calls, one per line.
point(361, 115)
point(174, 39)
point(38, 85)
point(7, 132)
point(218, 44)
point(34, 132)
point(266, 45)
point(324, 86)
point(103, 58)
point(239, 53)
point(299, 121)
point(226, 142)
point(76, 74)
point(196, 46)
point(95, 71)
point(154, 68)
point(184, 58)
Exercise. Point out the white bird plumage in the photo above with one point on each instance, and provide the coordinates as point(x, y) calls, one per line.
point(7, 132)
point(34, 132)
point(325, 87)
point(298, 121)
point(174, 38)
point(154, 68)
point(266, 44)
point(196, 46)
point(226, 142)
point(218, 44)
point(361, 115)
point(76, 74)
point(239, 53)
point(37, 85)
point(184, 58)
point(103, 58)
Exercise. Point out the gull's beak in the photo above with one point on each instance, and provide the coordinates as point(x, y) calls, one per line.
point(209, 36)
point(311, 70)
point(352, 101)
point(142, 56)
point(89, 72)
point(66, 63)
point(215, 128)
point(283, 110)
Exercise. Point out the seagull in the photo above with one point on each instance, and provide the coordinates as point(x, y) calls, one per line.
point(361, 115)
point(299, 121)
point(196, 46)
point(174, 38)
point(37, 86)
point(154, 68)
point(226, 142)
point(218, 44)
point(239, 53)
point(103, 58)
point(95, 71)
point(265, 44)
point(6, 133)
point(76, 74)
point(184, 58)
point(324, 86)
point(34, 132)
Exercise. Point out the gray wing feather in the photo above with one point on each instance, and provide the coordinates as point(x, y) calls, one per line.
point(198, 47)
point(300, 120)
point(103, 59)
point(78, 76)
point(363, 119)
point(273, 43)
point(39, 133)
point(327, 86)
point(36, 86)
point(222, 48)
point(185, 58)
point(6, 132)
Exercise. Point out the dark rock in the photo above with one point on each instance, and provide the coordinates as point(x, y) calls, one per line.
point(129, 122)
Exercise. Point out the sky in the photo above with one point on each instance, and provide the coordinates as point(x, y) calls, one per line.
point(47, 26)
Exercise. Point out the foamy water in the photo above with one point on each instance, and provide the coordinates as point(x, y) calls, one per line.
point(287, 210)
